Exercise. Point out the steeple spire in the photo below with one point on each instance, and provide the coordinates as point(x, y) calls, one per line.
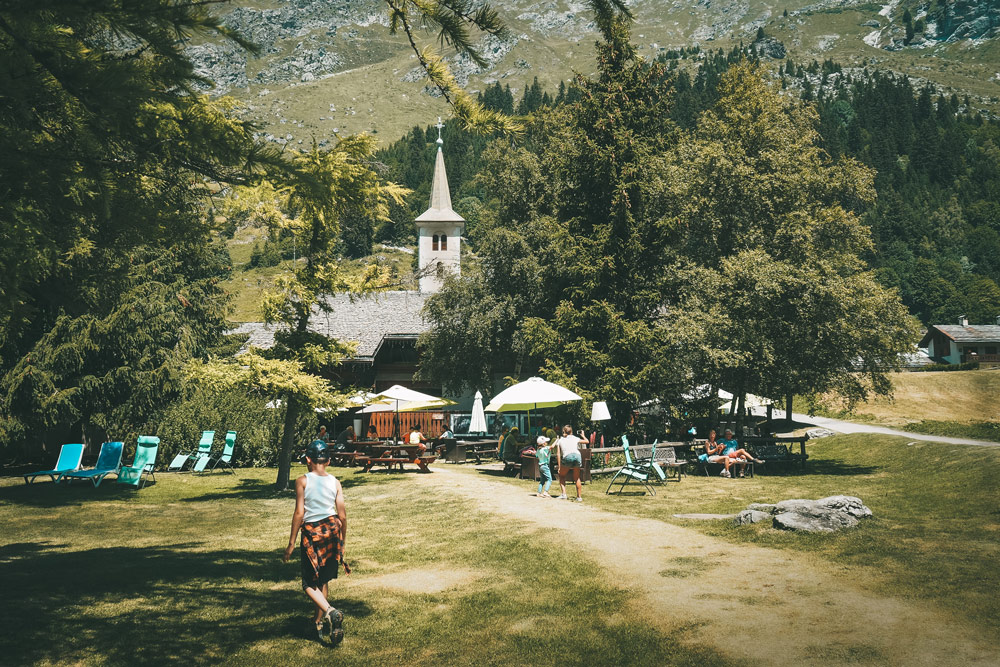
point(440, 205)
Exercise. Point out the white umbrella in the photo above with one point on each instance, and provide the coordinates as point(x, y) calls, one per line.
point(531, 394)
point(398, 398)
point(478, 423)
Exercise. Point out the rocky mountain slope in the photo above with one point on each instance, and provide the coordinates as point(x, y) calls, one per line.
point(332, 67)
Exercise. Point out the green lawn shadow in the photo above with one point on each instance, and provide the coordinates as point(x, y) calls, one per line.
point(55, 603)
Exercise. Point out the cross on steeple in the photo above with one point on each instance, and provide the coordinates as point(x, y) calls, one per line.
point(439, 126)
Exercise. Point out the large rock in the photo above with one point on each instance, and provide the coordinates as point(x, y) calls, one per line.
point(749, 516)
point(825, 515)
point(763, 507)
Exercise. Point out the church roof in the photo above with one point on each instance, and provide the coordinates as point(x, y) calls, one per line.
point(366, 321)
point(440, 209)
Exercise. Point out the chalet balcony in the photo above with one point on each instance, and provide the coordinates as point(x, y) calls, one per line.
point(987, 358)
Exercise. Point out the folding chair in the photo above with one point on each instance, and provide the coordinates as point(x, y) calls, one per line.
point(634, 470)
point(204, 450)
point(142, 463)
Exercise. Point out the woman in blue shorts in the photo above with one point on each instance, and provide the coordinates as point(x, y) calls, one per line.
point(568, 450)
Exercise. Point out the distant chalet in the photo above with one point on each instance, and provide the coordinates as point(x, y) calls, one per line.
point(962, 342)
point(386, 325)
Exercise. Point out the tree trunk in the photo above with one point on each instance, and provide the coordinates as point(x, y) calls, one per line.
point(788, 409)
point(287, 443)
point(740, 415)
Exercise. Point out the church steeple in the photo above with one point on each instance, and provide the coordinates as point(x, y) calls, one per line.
point(439, 230)
point(440, 207)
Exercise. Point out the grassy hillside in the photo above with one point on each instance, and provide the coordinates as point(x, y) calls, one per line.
point(326, 70)
point(960, 397)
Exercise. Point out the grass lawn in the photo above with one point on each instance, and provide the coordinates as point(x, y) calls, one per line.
point(953, 403)
point(934, 535)
point(189, 570)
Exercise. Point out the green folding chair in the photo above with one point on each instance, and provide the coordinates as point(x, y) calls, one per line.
point(108, 461)
point(226, 458)
point(142, 464)
point(69, 460)
point(634, 470)
point(195, 455)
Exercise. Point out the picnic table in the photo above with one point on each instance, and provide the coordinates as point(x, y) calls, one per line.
point(390, 455)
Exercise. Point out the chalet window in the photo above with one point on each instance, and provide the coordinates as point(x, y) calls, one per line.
point(444, 242)
point(434, 245)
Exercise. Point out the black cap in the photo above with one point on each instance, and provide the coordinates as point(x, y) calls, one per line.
point(318, 452)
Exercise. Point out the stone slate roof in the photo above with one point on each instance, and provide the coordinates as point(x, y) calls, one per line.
point(366, 321)
point(976, 333)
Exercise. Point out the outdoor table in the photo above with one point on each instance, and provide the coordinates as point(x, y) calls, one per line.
point(397, 454)
point(455, 450)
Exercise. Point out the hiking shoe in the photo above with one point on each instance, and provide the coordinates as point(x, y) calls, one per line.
point(724, 473)
point(579, 499)
point(335, 618)
point(758, 460)
point(562, 497)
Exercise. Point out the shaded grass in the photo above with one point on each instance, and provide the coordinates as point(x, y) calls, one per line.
point(189, 570)
point(934, 535)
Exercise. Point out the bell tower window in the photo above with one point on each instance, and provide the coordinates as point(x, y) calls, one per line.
point(444, 242)
point(434, 243)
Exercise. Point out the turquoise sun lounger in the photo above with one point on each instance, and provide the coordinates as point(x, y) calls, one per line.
point(142, 465)
point(69, 460)
point(108, 461)
point(225, 458)
point(196, 455)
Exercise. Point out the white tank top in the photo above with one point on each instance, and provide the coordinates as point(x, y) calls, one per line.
point(320, 497)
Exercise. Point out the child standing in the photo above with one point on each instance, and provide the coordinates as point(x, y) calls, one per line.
point(321, 514)
point(542, 452)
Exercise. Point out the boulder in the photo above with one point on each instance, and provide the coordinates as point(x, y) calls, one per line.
point(763, 507)
point(817, 521)
point(825, 515)
point(750, 516)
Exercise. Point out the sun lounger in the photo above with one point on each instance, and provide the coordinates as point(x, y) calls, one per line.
point(69, 460)
point(142, 464)
point(225, 458)
point(108, 461)
point(195, 455)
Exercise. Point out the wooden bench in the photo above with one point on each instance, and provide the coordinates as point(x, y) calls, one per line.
point(777, 454)
point(480, 453)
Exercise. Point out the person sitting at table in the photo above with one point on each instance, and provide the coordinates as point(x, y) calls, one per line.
point(509, 444)
point(737, 454)
point(322, 435)
point(345, 436)
point(715, 453)
point(372, 432)
point(417, 438)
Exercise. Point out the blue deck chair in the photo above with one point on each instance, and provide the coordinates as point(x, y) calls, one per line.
point(637, 470)
point(108, 461)
point(69, 460)
point(142, 464)
point(226, 457)
point(195, 455)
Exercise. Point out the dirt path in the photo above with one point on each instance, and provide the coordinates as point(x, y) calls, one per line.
point(787, 609)
point(841, 426)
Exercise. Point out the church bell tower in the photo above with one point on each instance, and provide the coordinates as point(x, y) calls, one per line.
point(439, 230)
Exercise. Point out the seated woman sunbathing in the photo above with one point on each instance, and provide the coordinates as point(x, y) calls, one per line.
point(715, 453)
point(736, 454)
